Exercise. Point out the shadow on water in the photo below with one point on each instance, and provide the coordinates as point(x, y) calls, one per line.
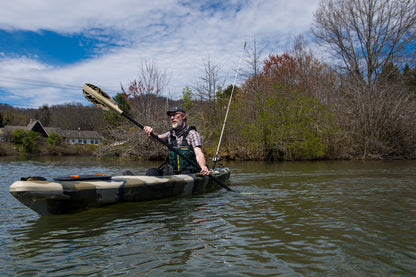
point(133, 233)
point(96, 221)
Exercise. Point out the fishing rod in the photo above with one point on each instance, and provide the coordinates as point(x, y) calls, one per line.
point(216, 159)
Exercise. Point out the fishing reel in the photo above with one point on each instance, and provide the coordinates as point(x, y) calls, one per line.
point(215, 160)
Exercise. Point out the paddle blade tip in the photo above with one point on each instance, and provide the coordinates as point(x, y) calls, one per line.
point(90, 93)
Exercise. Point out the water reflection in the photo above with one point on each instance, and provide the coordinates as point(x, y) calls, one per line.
point(323, 218)
point(116, 232)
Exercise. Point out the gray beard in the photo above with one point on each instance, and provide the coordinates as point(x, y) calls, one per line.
point(178, 124)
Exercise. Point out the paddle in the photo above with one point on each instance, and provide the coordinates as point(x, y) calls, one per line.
point(101, 99)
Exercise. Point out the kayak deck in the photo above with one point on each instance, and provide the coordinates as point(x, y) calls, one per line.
point(74, 193)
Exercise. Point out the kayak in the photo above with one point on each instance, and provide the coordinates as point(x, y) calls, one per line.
point(73, 193)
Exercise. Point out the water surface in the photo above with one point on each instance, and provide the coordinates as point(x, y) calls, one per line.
point(331, 218)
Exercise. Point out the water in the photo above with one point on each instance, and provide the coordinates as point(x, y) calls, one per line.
point(329, 218)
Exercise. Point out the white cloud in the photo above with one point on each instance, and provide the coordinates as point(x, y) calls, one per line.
point(177, 35)
point(78, 15)
point(20, 64)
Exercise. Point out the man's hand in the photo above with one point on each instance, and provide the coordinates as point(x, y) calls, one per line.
point(148, 130)
point(200, 159)
point(204, 171)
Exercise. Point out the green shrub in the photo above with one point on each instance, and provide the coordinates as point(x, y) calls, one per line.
point(18, 135)
point(54, 139)
point(30, 144)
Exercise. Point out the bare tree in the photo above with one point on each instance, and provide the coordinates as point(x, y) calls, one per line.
point(206, 89)
point(254, 60)
point(367, 35)
point(143, 93)
point(254, 63)
point(372, 39)
point(318, 78)
point(209, 82)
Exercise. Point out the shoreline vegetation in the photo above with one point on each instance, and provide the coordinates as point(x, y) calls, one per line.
point(8, 149)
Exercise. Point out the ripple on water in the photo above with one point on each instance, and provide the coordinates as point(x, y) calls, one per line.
point(294, 219)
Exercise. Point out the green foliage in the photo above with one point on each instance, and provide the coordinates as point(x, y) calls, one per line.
point(114, 118)
point(288, 126)
point(226, 93)
point(219, 94)
point(54, 139)
point(187, 98)
point(30, 142)
point(26, 139)
point(18, 135)
point(122, 102)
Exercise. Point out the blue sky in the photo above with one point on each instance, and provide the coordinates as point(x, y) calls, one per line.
point(49, 49)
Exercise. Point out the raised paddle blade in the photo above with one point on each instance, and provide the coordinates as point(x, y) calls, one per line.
point(99, 98)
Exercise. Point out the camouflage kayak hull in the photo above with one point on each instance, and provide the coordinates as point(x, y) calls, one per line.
point(72, 195)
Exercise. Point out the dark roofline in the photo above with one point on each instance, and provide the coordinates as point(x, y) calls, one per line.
point(66, 134)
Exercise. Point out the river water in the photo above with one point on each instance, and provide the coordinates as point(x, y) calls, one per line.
point(330, 218)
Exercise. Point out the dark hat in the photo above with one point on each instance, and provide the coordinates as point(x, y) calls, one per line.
point(176, 109)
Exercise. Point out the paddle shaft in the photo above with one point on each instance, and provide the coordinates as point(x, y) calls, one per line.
point(177, 152)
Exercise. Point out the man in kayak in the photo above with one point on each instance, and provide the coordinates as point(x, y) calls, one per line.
point(184, 139)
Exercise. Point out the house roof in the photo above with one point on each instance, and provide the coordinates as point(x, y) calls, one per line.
point(35, 125)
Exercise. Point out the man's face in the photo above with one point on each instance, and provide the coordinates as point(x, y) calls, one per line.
point(177, 120)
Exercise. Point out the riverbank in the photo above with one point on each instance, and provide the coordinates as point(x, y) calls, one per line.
point(9, 149)
point(151, 153)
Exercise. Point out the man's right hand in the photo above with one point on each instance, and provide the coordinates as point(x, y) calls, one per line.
point(148, 130)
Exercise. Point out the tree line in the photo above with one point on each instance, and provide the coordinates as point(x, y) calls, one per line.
point(70, 116)
point(357, 102)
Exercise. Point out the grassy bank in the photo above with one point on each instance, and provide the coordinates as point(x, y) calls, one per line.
point(10, 149)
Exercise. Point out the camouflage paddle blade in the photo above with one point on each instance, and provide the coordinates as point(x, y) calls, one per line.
point(90, 92)
point(99, 98)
